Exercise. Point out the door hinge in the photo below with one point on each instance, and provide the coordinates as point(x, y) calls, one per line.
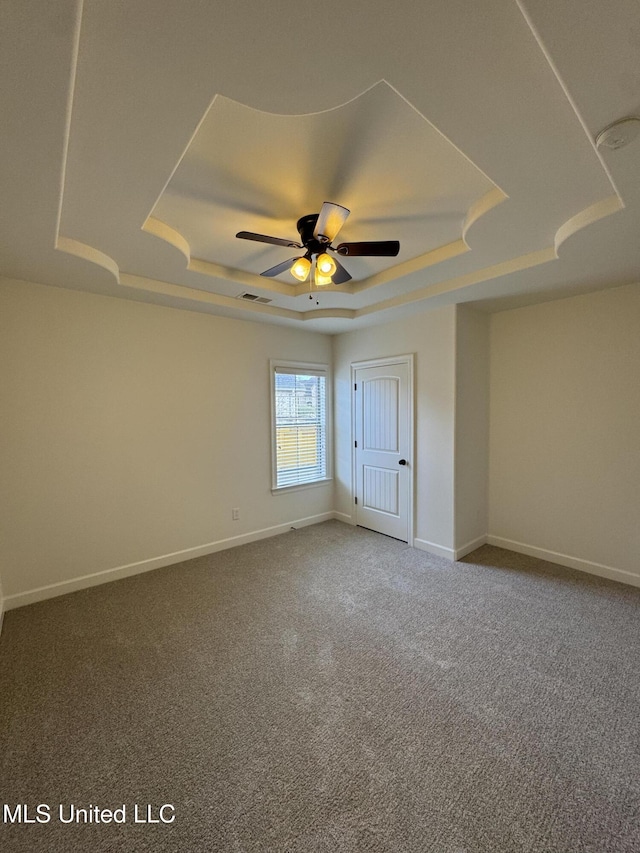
point(356, 500)
point(355, 386)
point(355, 443)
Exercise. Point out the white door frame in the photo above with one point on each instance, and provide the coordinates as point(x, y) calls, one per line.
point(407, 359)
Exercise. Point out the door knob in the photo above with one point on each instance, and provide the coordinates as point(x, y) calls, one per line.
point(402, 462)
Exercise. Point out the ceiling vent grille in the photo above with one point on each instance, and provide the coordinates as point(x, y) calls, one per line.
point(251, 297)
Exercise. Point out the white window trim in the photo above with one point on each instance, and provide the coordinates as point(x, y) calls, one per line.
point(311, 367)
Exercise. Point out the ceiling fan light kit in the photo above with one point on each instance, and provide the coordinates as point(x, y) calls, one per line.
point(317, 232)
point(322, 280)
point(300, 269)
point(325, 265)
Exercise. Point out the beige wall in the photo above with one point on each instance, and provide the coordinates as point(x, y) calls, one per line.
point(565, 431)
point(431, 336)
point(471, 428)
point(129, 431)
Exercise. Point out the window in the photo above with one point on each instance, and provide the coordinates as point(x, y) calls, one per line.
point(299, 398)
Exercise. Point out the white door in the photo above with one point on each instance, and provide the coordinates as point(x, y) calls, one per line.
point(383, 471)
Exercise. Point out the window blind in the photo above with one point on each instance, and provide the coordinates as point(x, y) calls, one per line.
point(300, 426)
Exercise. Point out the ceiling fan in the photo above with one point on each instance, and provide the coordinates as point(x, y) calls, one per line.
point(317, 232)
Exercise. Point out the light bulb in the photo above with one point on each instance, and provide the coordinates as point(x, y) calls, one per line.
point(320, 279)
point(300, 269)
point(325, 264)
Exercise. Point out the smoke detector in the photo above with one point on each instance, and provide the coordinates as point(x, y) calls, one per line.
point(619, 134)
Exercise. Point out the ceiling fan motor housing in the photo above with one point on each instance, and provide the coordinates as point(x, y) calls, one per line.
point(306, 226)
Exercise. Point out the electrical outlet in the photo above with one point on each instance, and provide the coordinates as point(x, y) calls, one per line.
point(235, 513)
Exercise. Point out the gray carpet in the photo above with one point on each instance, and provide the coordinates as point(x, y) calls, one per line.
point(331, 690)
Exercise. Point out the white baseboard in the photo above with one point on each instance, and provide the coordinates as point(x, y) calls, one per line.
point(541, 553)
point(342, 516)
point(74, 584)
point(433, 548)
point(566, 560)
point(452, 554)
point(463, 550)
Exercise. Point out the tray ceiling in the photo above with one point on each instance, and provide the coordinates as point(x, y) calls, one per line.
point(245, 169)
point(145, 136)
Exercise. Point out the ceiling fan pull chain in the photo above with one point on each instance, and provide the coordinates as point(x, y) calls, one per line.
point(311, 279)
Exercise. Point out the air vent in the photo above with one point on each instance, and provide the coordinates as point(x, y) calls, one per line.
point(251, 297)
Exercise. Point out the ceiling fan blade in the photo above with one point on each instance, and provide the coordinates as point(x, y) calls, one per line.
point(330, 220)
point(283, 267)
point(374, 248)
point(263, 238)
point(340, 275)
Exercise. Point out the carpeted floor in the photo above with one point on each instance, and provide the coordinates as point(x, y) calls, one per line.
point(331, 690)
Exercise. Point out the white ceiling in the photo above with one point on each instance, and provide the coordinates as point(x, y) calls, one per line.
point(138, 137)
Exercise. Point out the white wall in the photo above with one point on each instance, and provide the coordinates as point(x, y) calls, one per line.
point(431, 336)
point(565, 431)
point(129, 431)
point(471, 429)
